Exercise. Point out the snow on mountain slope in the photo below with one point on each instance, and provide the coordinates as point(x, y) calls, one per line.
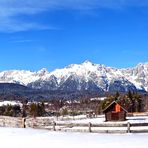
point(82, 77)
point(138, 75)
point(16, 76)
point(21, 76)
point(101, 75)
point(87, 71)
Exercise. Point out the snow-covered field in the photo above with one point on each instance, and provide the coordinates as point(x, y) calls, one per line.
point(26, 138)
point(100, 119)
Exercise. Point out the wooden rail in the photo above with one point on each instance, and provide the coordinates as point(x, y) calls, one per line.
point(102, 128)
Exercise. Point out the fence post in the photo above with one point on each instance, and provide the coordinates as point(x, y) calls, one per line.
point(89, 127)
point(54, 124)
point(128, 127)
point(23, 122)
point(4, 122)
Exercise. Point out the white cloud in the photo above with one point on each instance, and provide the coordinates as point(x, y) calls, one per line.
point(10, 10)
point(11, 26)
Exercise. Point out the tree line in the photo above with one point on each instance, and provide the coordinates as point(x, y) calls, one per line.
point(131, 101)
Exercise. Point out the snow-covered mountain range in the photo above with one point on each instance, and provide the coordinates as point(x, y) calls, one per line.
point(85, 76)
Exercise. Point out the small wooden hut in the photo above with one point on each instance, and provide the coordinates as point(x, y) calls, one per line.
point(115, 112)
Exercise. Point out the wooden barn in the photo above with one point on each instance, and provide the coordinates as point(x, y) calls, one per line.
point(115, 112)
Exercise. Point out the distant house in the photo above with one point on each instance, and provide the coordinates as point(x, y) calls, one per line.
point(115, 112)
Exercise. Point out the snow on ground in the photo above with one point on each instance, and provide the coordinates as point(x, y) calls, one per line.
point(25, 138)
point(100, 119)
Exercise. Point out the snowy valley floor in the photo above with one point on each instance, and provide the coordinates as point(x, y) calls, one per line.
point(27, 138)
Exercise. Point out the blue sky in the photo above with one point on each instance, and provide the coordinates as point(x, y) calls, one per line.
point(55, 33)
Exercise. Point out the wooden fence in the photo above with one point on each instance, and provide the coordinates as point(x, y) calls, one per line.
point(46, 123)
point(100, 128)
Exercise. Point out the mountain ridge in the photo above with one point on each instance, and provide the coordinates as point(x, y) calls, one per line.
point(81, 77)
